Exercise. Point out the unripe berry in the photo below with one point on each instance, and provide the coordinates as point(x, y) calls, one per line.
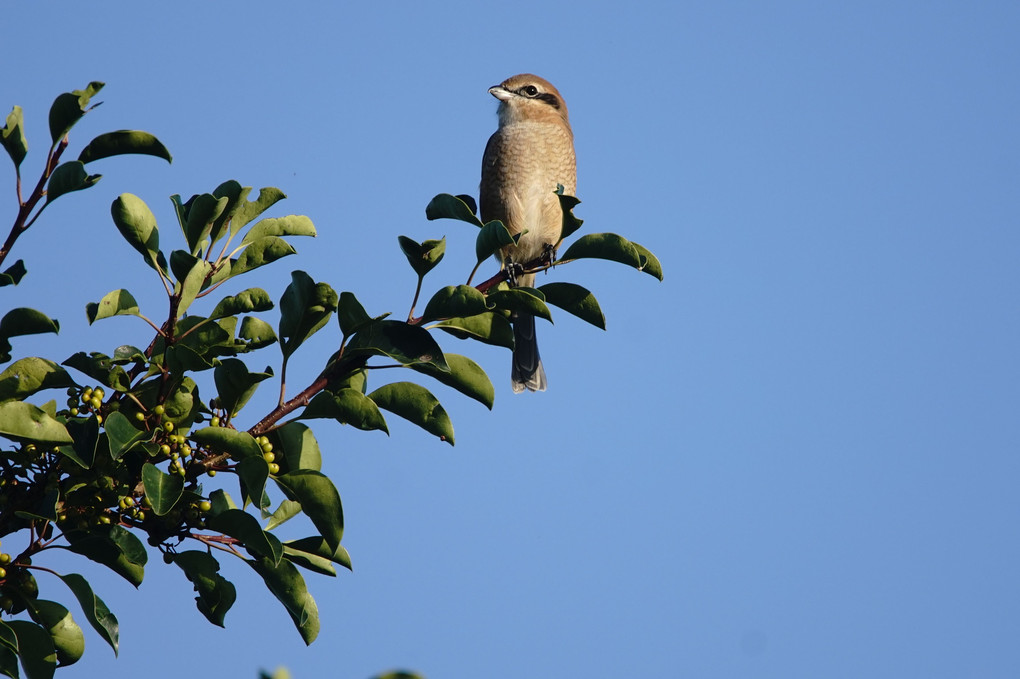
point(5, 559)
point(214, 422)
point(99, 419)
point(165, 449)
point(74, 412)
point(168, 426)
point(159, 410)
point(140, 416)
point(3, 573)
point(204, 506)
point(274, 468)
point(268, 457)
point(211, 472)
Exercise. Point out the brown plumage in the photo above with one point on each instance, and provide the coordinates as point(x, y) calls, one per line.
point(530, 153)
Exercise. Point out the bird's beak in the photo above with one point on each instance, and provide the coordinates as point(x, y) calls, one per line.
point(500, 92)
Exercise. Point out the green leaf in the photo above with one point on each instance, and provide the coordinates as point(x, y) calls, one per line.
point(12, 136)
point(235, 385)
point(490, 328)
point(291, 225)
point(24, 421)
point(287, 585)
point(491, 239)
point(351, 314)
point(304, 309)
point(347, 406)
point(35, 649)
point(137, 225)
point(259, 253)
point(113, 546)
point(67, 637)
point(27, 376)
point(445, 206)
point(45, 507)
point(239, 524)
point(570, 223)
point(192, 284)
point(202, 212)
point(249, 210)
point(417, 405)
point(317, 547)
point(614, 248)
point(22, 321)
point(650, 263)
point(122, 434)
point(575, 300)
point(68, 177)
point(465, 376)
point(86, 437)
point(163, 490)
point(68, 108)
point(246, 301)
point(123, 142)
point(406, 344)
point(522, 300)
point(116, 303)
point(221, 502)
point(423, 257)
point(216, 594)
point(100, 367)
point(255, 333)
point(96, 612)
point(13, 274)
point(236, 196)
point(253, 472)
point(296, 442)
point(287, 510)
point(8, 651)
point(238, 444)
point(454, 301)
point(319, 500)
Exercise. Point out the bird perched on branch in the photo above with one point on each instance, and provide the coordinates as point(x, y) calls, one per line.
point(526, 158)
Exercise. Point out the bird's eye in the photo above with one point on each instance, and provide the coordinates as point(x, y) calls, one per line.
point(530, 90)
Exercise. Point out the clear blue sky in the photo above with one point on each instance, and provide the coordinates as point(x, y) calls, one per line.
point(796, 457)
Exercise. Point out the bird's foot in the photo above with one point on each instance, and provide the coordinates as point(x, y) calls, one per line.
point(513, 271)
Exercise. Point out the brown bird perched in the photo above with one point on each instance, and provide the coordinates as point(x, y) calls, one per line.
point(530, 153)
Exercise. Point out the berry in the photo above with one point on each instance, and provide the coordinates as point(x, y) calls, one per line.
point(168, 426)
point(214, 422)
point(274, 468)
point(211, 472)
point(204, 506)
point(140, 416)
point(268, 457)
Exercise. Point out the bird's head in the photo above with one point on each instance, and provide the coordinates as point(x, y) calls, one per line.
point(528, 98)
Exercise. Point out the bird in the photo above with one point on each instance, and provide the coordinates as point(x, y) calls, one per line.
point(527, 158)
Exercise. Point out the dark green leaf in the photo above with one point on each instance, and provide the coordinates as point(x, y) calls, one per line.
point(163, 490)
point(246, 301)
point(287, 585)
point(525, 300)
point(216, 594)
point(100, 367)
point(351, 314)
point(202, 212)
point(319, 500)
point(137, 225)
point(614, 248)
point(113, 546)
point(8, 651)
point(417, 405)
point(35, 649)
point(423, 257)
point(13, 274)
point(24, 421)
point(122, 434)
point(256, 333)
point(304, 309)
point(192, 284)
point(650, 263)
point(27, 376)
point(575, 300)
point(491, 238)
point(348, 406)
point(291, 225)
point(86, 437)
point(12, 136)
point(124, 142)
point(454, 301)
point(238, 444)
point(465, 376)
point(249, 210)
point(116, 303)
point(67, 637)
point(259, 253)
point(68, 108)
point(287, 510)
point(68, 177)
point(253, 472)
point(570, 223)
point(296, 442)
point(317, 547)
point(23, 321)
point(235, 385)
point(96, 612)
point(451, 207)
point(240, 524)
point(490, 328)
point(400, 341)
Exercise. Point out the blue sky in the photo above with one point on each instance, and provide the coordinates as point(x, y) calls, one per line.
point(795, 457)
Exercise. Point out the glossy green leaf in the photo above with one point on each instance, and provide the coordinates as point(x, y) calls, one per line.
point(192, 284)
point(68, 177)
point(216, 594)
point(246, 301)
point(491, 238)
point(23, 321)
point(445, 206)
point(137, 225)
point(239, 524)
point(319, 500)
point(202, 212)
point(44, 507)
point(351, 314)
point(235, 384)
point(423, 257)
point(68, 108)
point(522, 300)
point(570, 223)
point(96, 612)
point(400, 341)
point(304, 309)
point(12, 136)
point(13, 274)
point(250, 209)
point(162, 490)
point(122, 434)
point(123, 142)
point(465, 376)
point(253, 472)
point(113, 546)
point(22, 420)
point(35, 649)
point(291, 225)
point(490, 328)
point(238, 444)
point(116, 303)
point(259, 253)
point(67, 637)
point(286, 511)
point(454, 301)
point(296, 443)
point(614, 248)
point(347, 406)
point(417, 405)
point(650, 263)
point(100, 367)
point(86, 437)
point(8, 651)
point(575, 300)
point(287, 585)
point(317, 547)
point(256, 333)
point(27, 376)
point(182, 404)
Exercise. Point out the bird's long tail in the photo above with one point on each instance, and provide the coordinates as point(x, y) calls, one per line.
point(527, 371)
